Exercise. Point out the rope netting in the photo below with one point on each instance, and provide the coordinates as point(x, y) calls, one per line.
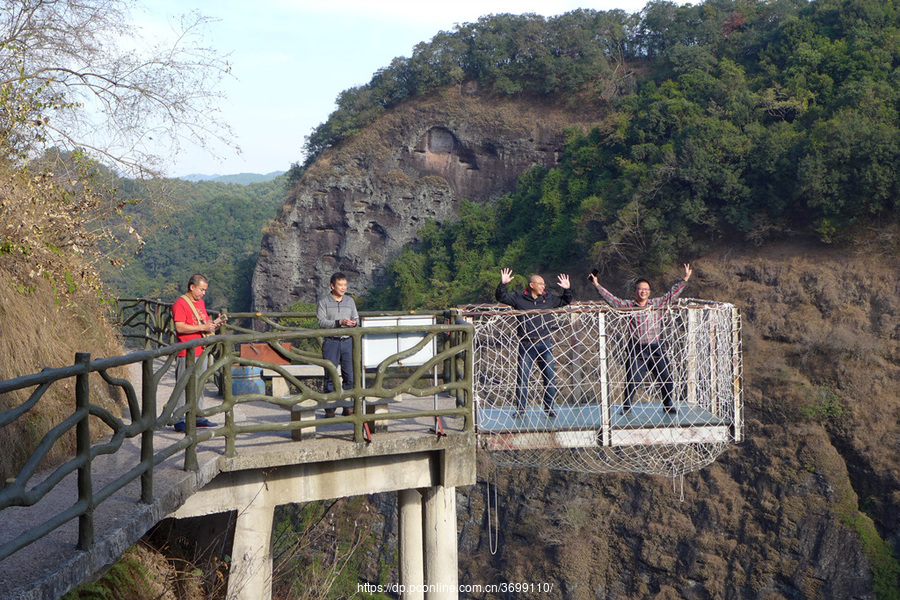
point(654, 390)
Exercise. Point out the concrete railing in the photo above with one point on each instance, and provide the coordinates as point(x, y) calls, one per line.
point(145, 413)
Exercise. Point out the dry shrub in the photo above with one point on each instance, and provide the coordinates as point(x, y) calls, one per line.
point(50, 228)
point(396, 178)
point(142, 573)
point(38, 329)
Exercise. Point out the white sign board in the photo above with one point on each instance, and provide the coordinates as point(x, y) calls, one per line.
point(377, 347)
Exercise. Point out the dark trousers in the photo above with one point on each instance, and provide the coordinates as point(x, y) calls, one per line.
point(529, 353)
point(340, 353)
point(647, 359)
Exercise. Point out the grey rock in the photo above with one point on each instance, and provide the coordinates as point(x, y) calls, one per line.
point(357, 207)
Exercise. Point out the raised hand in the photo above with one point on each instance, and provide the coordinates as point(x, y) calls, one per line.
point(563, 281)
point(687, 271)
point(505, 276)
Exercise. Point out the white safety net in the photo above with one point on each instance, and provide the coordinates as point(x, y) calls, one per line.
point(636, 390)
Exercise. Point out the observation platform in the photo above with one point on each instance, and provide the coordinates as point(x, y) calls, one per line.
point(596, 358)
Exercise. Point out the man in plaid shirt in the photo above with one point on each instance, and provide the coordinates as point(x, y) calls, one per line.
point(644, 348)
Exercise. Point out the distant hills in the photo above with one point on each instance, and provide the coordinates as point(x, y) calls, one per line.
point(240, 178)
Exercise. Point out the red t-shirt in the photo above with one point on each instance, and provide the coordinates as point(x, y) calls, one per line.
point(182, 313)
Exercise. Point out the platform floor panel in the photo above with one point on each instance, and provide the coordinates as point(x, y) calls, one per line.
point(580, 417)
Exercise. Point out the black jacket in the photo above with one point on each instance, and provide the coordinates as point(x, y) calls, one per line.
point(535, 327)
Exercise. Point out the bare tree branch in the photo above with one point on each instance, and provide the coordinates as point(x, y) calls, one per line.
point(75, 74)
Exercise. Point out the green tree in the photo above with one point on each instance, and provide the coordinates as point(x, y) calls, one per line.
point(204, 227)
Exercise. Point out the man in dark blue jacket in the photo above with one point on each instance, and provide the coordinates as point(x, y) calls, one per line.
point(535, 333)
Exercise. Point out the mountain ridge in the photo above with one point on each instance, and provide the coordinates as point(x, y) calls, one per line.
point(238, 178)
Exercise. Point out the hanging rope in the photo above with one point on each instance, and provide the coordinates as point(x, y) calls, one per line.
point(678, 480)
point(492, 509)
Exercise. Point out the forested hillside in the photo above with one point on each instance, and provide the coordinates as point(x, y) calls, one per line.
point(727, 121)
point(205, 227)
point(239, 178)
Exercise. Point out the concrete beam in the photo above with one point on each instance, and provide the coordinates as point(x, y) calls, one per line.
point(308, 483)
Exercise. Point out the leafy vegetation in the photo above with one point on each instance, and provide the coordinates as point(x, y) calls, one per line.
point(509, 54)
point(126, 578)
point(451, 264)
point(823, 405)
point(319, 549)
point(884, 563)
point(750, 121)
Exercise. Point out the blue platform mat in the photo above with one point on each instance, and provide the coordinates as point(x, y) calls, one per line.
point(582, 417)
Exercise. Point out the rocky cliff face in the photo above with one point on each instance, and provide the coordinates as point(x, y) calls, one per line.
point(806, 507)
point(358, 205)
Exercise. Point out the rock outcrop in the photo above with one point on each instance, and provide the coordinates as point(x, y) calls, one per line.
point(359, 204)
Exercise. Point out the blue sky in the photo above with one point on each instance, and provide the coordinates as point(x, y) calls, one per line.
point(291, 59)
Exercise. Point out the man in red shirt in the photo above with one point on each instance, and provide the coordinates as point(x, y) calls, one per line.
point(192, 323)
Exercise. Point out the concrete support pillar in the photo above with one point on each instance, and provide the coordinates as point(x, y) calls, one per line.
point(251, 556)
point(412, 573)
point(441, 552)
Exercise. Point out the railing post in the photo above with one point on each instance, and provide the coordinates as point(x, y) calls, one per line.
point(469, 376)
point(603, 357)
point(714, 348)
point(148, 423)
point(148, 330)
point(693, 329)
point(737, 375)
point(83, 451)
point(190, 418)
point(359, 382)
point(227, 399)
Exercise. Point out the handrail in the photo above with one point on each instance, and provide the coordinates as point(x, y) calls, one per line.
point(150, 321)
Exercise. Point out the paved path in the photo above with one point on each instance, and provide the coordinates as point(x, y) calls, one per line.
point(52, 565)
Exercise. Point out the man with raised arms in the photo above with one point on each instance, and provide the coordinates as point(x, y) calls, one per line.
point(645, 350)
point(535, 333)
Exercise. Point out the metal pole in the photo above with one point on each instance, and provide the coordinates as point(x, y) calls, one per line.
point(605, 416)
point(359, 376)
point(469, 376)
point(737, 375)
point(227, 398)
point(148, 331)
